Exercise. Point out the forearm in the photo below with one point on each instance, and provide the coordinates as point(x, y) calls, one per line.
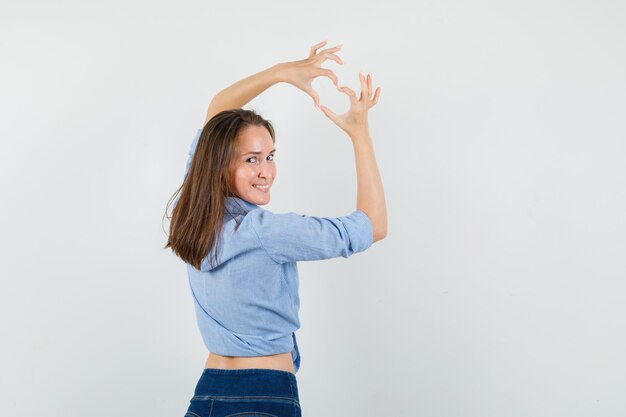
point(243, 91)
point(370, 194)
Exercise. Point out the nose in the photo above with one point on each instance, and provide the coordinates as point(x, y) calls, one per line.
point(266, 170)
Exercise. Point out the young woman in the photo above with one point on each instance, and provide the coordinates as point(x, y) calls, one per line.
point(241, 259)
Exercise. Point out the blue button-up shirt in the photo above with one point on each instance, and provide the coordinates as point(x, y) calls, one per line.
point(247, 303)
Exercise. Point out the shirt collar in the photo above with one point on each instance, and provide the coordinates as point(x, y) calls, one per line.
point(236, 205)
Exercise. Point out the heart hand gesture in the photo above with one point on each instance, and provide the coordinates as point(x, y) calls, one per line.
point(302, 73)
point(354, 121)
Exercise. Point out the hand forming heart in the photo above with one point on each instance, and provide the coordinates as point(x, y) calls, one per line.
point(354, 121)
point(301, 73)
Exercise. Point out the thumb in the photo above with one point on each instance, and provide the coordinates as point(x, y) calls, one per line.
point(314, 96)
point(329, 113)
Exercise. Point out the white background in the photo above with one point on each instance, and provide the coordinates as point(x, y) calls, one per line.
point(501, 140)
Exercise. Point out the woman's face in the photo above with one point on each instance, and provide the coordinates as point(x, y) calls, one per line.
point(253, 165)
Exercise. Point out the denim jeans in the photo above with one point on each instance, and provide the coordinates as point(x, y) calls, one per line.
point(245, 393)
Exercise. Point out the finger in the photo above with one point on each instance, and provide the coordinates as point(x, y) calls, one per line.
point(329, 74)
point(329, 113)
point(349, 92)
point(315, 96)
point(314, 48)
point(335, 58)
point(331, 50)
point(369, 85)
point(364, 86)
point(376, 95)
point(364, 91)
point(316, 101)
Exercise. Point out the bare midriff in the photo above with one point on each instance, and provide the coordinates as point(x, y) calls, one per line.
point(281, 361)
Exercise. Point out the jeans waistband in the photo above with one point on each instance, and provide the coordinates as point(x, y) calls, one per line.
point(247, 382)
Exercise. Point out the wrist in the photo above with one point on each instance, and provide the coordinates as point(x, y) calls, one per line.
point(280, 72)
point(361, 136)
point(360, 132)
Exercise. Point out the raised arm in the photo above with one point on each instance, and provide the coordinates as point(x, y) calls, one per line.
point(242, 92)
point(370, 194)
point(298, 73)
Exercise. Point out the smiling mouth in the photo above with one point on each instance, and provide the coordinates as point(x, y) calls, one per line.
point(262, 188)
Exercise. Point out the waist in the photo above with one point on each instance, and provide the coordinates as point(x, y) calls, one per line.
point(281, 361)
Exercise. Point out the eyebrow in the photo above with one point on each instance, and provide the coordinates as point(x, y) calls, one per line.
point(257, 153)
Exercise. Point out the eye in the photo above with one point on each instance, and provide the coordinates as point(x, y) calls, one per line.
point(252, 159)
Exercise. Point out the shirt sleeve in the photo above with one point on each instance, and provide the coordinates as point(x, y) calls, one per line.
point(291, 237)
point(192, 151)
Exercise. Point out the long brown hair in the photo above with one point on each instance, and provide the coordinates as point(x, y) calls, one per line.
point(196, 220)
